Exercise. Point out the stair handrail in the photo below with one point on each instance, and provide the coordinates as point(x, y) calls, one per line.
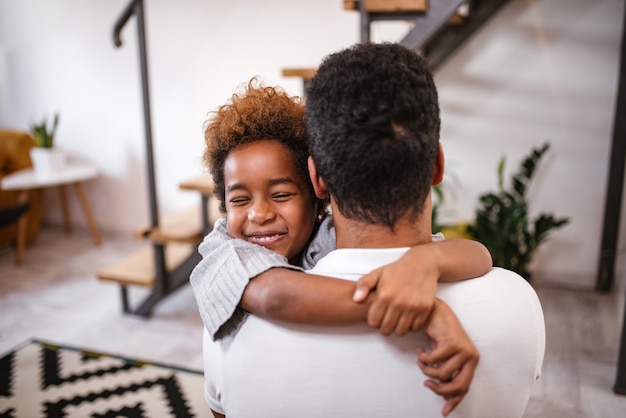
point(121, 22)
point(135, 7)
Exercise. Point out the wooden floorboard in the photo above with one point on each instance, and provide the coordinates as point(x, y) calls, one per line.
point(55, 295)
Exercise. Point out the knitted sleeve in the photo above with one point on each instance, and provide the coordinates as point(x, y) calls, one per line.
point(220, 278)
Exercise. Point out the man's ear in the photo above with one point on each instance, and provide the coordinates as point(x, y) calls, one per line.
point(321, 191)
point(439, 167)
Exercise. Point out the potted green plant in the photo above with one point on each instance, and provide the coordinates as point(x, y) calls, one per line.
point(44, 156)
point(44, 135)
point(502, 222)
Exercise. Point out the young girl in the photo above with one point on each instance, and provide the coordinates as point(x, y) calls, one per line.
point(279, 212)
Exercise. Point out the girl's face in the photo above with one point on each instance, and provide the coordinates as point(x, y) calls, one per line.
point(267, 201)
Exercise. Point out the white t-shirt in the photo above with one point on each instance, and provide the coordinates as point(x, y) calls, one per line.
point(275, 369)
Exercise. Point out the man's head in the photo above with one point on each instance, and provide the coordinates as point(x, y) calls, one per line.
point(373, 121)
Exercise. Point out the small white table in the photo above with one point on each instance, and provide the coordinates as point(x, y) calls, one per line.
point(72, 173)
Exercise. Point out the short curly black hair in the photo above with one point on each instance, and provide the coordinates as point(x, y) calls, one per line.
point(258, 113)
point(372, 115)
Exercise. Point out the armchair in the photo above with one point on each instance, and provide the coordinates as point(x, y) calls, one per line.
point(15, 155)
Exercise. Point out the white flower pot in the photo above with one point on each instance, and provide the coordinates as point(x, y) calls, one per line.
point(46, 160)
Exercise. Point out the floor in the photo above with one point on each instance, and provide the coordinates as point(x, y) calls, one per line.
point(55, 296)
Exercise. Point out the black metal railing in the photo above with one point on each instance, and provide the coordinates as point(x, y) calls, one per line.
point(165, 282)
point(135, 7)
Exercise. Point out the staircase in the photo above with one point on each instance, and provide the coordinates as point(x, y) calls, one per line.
point(439, 27)
point(163, 265)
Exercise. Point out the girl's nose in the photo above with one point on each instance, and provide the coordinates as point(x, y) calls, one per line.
point(260, 212)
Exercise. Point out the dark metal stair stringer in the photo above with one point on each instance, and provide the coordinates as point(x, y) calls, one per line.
point(429, 24)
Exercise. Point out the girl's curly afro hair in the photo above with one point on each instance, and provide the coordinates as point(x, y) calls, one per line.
point(259, 113)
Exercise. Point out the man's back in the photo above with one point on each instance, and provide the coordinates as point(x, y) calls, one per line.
point(273, 369)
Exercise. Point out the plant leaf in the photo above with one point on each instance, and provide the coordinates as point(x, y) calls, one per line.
point(501, 219)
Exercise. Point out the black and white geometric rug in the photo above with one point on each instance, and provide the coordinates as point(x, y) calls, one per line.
point(46, 380)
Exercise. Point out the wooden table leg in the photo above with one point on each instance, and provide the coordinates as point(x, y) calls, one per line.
point(91, 223)
point(22, 226)
point(65, 209)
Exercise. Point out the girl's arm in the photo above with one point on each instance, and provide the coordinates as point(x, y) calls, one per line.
point(461, 259)
point(220, 279)
point(304, 298)
point(406, 288)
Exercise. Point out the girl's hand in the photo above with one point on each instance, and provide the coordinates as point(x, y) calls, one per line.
point(405, 289)
point(453, 358)
point(405, 293)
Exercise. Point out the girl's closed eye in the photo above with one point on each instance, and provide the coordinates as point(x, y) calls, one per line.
point(239, 200)
point(282, 196)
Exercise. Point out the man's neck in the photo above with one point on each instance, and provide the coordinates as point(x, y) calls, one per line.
point(357, 234)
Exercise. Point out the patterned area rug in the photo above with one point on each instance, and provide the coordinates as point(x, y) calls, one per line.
point(46, 380)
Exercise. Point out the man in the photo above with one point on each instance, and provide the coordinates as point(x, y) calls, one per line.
point(373, 119)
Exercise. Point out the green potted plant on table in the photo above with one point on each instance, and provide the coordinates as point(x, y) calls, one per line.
point(502, 223)
point(44, 156)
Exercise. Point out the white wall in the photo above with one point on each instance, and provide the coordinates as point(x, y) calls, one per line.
point(542, 70)
point(59, 55)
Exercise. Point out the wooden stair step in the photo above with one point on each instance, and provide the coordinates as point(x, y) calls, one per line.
point(202, 184)
point(138, 268)
point(182, 226)
point(400, 6)
point(304, 73)
point(383, 6)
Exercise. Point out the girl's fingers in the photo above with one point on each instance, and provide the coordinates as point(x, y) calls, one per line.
point(445, 370)
point(365, 285)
